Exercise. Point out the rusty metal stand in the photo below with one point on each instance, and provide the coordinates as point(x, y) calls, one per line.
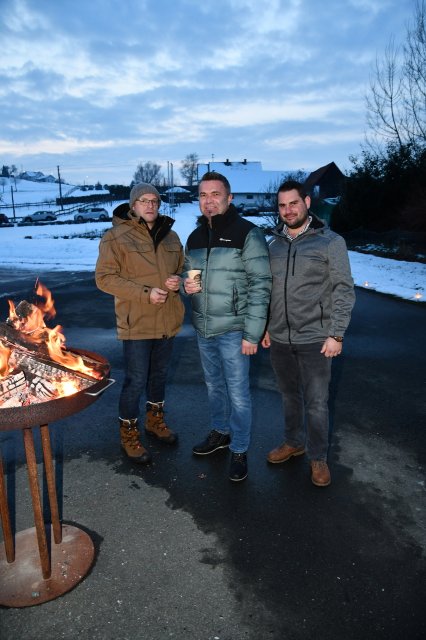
point(30, 572)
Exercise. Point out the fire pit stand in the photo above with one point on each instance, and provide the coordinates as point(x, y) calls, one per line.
point(32, 571)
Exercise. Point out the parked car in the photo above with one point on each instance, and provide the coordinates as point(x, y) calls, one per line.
point(40, 216)
point(3, 219)
point(94, 213)
point(248, 209)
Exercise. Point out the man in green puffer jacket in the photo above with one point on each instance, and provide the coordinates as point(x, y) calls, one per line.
point(229, 312)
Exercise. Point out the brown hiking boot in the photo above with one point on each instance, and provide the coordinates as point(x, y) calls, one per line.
point(283, 453)
point(155, 425)
point(130, 443)
point(320, 473)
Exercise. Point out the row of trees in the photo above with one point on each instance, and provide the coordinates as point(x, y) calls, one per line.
point(152, 172)
point(386, 188)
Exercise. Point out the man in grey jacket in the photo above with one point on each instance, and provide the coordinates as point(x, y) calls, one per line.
point(229, 313)
point(312, 299)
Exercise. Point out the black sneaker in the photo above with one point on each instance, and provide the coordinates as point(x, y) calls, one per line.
point(214, 441)
point(238, 469)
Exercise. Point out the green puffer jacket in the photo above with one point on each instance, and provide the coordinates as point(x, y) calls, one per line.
point(132, 260)
point(235, 274)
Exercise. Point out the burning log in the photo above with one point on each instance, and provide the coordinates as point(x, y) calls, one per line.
point(35, 366)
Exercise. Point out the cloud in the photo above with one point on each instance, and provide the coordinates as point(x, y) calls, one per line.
point(153, 77)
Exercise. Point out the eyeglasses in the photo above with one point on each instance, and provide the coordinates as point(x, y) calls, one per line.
point(148, 203)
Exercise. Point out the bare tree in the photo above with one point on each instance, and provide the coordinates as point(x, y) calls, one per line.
point(189, 168)
point(415, 65)
point(148, 172)
point(268, 206)
point(396, 104)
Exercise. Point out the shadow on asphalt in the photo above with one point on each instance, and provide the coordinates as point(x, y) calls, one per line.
point(334, 563)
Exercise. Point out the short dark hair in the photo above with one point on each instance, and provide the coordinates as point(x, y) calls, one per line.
point(289, 185)
point(214, 175)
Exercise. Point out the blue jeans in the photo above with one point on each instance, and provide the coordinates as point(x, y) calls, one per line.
point(303, 375)
point(146, 363)
point(226, 372)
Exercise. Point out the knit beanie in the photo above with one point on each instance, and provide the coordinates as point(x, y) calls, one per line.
point(140, 190)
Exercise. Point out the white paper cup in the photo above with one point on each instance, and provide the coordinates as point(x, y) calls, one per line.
point(194, 274)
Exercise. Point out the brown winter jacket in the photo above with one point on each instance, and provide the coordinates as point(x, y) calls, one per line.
point(131, 261)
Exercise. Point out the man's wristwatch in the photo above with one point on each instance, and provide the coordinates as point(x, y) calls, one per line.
point(337, 338)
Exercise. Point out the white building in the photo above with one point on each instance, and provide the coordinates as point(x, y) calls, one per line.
point(251, 186)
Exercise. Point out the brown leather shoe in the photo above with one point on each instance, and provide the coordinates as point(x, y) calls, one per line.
point(283, 453)
point(320, 473)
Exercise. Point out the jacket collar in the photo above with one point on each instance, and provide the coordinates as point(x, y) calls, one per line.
point(221, 221)
point(315, 226)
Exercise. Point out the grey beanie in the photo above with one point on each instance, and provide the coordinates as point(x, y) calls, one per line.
point(140, 190)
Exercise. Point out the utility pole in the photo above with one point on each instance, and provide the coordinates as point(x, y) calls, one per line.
point(172, 193)
point(60, 190)
point(13, 203)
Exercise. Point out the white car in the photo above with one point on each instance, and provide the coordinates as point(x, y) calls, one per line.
point(95, 213)
point(40, 216)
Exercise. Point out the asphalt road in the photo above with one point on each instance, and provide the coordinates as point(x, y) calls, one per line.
point(183, 553)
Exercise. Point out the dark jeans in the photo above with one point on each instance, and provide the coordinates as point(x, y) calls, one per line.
point(146, 363)
point(303, 375)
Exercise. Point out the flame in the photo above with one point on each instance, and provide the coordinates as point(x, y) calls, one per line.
point(48, 307)
point(4, 360)
point(55, 341)
point(36, 331)
point(67, 387)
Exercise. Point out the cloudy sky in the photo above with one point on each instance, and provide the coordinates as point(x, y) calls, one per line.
point(99, 86)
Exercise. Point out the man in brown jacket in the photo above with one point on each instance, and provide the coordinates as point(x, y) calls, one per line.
point(139, 263)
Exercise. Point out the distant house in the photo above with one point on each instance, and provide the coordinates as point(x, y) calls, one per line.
point(251, 186)
point(325, 182)
point(37, 176)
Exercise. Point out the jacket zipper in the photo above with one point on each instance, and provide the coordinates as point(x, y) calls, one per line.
point(204, 282)
point(285, 290)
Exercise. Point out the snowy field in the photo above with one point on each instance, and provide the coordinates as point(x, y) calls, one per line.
point(74, 247)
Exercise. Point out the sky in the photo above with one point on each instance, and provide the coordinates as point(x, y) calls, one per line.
point(98, 87)
point(66, 246)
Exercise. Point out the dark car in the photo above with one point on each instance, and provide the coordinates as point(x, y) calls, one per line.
point(4, 219)
point(40, 216)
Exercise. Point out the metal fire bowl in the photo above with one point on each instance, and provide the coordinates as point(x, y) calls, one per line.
point(46, 412)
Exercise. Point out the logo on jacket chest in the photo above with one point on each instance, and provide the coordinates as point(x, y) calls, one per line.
point(225, 240)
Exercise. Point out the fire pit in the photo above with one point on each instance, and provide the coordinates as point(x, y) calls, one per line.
point(41, 381)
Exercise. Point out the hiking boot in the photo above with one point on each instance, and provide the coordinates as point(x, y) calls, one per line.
point(155, 425)
point(320, 473)
point(283, 453)
point(214, 441)
point(130, 442)
point(238, 468)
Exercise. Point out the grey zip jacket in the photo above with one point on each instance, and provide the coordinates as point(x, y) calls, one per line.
point(312, 286)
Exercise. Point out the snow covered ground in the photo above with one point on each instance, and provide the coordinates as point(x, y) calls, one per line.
point(75, 246)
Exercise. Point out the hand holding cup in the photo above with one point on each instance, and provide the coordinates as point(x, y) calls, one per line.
point(193, 282)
